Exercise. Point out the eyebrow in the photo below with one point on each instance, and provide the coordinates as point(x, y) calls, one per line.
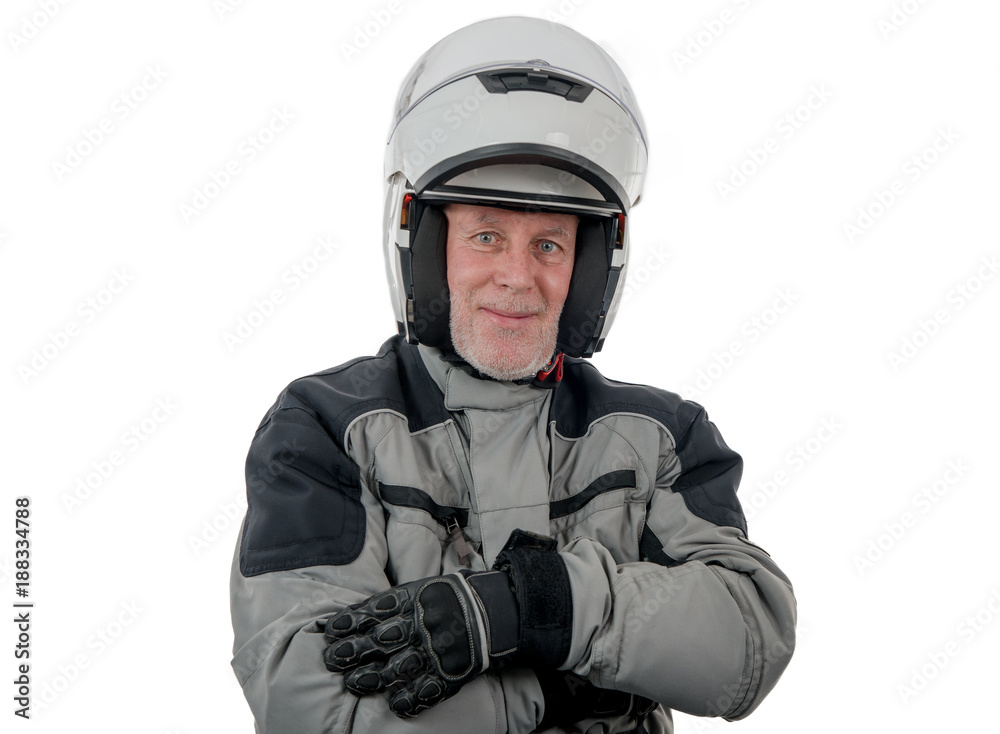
point(494, 222)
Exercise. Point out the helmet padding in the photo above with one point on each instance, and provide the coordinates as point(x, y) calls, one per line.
point(431, 297)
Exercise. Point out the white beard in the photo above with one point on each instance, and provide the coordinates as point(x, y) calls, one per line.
point(503, 354)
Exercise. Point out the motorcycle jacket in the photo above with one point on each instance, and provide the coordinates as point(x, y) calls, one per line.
point(405, 465)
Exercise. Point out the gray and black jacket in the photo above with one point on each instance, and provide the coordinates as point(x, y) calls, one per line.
point(401, 466)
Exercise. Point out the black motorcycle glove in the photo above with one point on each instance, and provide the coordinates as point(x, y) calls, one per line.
point(422, 641)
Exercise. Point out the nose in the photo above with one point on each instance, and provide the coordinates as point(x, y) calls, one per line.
point(516, 267)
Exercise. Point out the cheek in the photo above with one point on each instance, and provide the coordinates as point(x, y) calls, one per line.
point(465, 271)
point(556, 284)
point(455, 271)
point(456, 277)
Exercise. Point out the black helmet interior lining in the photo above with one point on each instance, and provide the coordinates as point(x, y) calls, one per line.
point(429, 279)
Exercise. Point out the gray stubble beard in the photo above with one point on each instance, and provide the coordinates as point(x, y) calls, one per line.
point(502, 365)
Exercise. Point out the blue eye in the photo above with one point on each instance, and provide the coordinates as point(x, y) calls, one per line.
point(485, 238)
point(547, 247)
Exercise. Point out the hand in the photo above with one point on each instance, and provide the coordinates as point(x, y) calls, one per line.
point(423, 640)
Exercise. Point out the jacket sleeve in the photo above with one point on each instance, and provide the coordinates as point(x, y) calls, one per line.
point(705, 624)
point(313, 542)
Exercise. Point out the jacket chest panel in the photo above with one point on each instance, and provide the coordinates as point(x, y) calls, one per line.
point(445, 489)
point(602, 482)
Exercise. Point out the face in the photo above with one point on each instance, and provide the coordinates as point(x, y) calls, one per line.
point(508, 273)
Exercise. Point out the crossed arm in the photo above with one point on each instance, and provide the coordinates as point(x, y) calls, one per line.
point(704, 625)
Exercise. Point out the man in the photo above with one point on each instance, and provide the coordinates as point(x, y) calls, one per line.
point(474, 531)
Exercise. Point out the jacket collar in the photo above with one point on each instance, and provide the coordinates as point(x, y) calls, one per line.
point(464, 387)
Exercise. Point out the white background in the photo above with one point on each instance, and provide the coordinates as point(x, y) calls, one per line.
point(129, 579)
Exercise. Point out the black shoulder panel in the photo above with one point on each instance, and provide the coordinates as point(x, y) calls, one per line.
point(303, 498)
point(424, 403)
point(710, 470)
point(303, 491)
point(585, 396)
point(395, 379)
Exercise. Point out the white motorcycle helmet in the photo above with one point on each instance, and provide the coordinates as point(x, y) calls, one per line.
point(516, 113)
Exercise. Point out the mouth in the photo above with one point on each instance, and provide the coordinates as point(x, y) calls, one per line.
point(507, 319)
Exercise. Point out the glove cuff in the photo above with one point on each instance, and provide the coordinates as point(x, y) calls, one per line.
point(541, 587)
point(498, 607)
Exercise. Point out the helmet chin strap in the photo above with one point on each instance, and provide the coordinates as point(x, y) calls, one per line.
point(554, 365)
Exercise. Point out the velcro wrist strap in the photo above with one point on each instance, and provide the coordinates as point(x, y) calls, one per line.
point(541, 586)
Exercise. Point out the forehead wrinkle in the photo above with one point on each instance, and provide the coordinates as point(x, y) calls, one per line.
point(494, 222)
point(487, 219)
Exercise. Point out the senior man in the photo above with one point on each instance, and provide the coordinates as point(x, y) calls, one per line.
point(474, 530)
